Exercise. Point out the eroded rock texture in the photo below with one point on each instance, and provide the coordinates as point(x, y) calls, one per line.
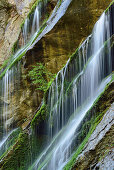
point(12, 14)
point(98, 152)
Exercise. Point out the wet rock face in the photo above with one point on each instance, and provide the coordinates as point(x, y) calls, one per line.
point(107, 162)
point(7, 12)
point(65, 37)
point(24, 99)
point(98, 152)
point(3, 17)
point(55, 47)
point(12, 14)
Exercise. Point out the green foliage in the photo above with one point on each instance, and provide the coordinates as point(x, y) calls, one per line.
point(109, 6)
point(18, 156)
point(4, 64)
point(20, 53)
point(40, 115)
point(14, 47)
point(40, 76)
point(74, 55)
point(21, 151)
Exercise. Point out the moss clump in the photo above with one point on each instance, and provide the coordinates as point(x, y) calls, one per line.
point(40, 76)
point(26, 148)
point(15, 46)
point(19, 155)
point(74, 55)
point(4, 64)
point(42, 114)
point(109, 6)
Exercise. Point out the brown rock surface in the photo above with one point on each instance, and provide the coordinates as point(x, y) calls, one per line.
point(12, 14)
point(55, 48)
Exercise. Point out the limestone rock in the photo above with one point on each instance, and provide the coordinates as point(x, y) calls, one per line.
point(98, 152)
point(107, 163)
point(12, 14)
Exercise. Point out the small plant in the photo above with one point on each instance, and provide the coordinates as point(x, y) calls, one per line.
point(40, 76)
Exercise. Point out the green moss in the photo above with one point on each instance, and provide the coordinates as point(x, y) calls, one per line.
point(14, 47)
point(4, 64)
point(21, 54)
point(22, 24)
point(20, 156)
point(112, 76)
point(74, 55)
point(10, 142)
point(109, 6)
point(42, 114)
point(40, 76)
point(71, 163)
point(27, 147)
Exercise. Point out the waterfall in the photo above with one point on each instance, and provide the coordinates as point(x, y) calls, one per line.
point(10, 78)
point(27, 31)
point(35, 24)
point(73, 92)
point(45, 27)
point(8, 84)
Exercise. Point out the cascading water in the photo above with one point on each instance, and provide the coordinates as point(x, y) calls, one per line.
point(10, 82)
point(27, 31)
point(32, 39)
point(11, 77)
point(73, 92)
point(35, 25)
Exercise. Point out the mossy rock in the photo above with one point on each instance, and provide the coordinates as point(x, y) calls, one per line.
point(18, 156)
point(40, 116)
